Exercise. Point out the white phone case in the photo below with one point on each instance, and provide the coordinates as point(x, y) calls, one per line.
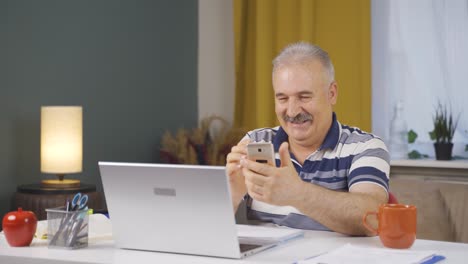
point(262, 152)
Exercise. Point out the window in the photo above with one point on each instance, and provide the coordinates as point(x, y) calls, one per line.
point(420, 56)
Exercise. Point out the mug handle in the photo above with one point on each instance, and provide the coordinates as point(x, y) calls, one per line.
point(364, 221)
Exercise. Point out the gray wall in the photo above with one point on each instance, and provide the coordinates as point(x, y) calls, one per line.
point(130, 64)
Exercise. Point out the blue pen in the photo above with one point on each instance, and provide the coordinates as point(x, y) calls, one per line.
point(433, 259)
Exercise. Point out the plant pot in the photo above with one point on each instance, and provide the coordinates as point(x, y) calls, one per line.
point(443, 151)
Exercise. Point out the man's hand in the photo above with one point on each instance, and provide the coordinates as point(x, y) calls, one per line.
point(269, 184)
point(234, 171)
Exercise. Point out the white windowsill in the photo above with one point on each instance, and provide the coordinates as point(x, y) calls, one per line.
point(430, 163)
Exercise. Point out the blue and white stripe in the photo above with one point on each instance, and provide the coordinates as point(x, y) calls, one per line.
point(348, 156)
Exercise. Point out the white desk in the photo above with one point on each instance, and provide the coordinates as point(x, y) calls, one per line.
point(313, 243)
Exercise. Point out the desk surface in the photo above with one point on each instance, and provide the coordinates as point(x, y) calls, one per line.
point(314, 242)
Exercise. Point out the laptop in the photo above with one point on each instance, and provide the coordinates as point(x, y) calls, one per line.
point(183, 209)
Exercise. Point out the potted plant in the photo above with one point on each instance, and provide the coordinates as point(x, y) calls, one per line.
point(444, 128)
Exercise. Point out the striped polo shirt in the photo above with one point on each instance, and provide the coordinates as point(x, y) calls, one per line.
point(346, 157)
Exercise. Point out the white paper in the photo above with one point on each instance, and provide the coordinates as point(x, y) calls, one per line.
point(99, 226)
point(351, 254)
point(266, 234)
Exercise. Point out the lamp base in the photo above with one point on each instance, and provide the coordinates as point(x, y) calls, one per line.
point(60, 184)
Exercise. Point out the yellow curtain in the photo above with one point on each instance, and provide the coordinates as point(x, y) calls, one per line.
point(263, 27)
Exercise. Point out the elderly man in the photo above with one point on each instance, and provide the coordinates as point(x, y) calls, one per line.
point(328, 174)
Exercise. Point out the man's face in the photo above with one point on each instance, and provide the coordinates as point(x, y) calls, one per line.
point(303, 102)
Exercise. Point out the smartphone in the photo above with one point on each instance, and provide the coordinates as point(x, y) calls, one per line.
point(262, 152)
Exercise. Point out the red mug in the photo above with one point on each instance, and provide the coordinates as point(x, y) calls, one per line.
point(397, 225)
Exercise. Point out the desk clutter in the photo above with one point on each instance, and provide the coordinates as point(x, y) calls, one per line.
point(68, 227)
point(99, 228)
point(316, 247)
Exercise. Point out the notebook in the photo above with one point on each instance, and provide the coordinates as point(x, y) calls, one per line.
point(183, 209)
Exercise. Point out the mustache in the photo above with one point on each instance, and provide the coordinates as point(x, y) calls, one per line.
point(299, 118)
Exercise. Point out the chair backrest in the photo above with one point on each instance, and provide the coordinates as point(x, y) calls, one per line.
point(392, 199)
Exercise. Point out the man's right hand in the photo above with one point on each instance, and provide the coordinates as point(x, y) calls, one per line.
point(234, 171)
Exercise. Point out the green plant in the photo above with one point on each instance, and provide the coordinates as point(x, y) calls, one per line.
point(417, 155)
point(412, 136)
point(444, 125)
point(414, 154)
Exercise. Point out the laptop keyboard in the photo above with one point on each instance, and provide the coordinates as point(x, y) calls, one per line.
point(247, 247)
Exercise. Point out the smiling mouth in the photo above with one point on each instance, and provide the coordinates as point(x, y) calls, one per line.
point(299, 122)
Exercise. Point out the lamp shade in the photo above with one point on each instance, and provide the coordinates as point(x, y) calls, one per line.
point(61, 139)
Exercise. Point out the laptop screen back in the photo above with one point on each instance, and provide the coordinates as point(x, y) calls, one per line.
point(170, 208)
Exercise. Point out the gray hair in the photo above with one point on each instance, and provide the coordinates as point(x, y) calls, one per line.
point(302, 52)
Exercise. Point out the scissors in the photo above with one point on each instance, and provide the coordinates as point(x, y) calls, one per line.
point(79, 202)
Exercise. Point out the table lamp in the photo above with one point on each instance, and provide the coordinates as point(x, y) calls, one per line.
point(61, 144)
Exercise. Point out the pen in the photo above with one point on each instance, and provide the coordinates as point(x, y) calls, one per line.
point(433, 259)
point(73, 233)
point(63, 221)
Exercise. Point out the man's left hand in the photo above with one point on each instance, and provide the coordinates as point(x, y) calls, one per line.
point(272, 185)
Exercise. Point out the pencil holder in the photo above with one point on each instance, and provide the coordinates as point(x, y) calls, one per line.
point(67, 229)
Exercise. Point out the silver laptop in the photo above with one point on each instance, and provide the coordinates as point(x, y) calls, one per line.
point(173, 208)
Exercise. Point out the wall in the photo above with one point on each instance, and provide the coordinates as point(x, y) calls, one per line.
point(215, 59)
point(130, 64)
